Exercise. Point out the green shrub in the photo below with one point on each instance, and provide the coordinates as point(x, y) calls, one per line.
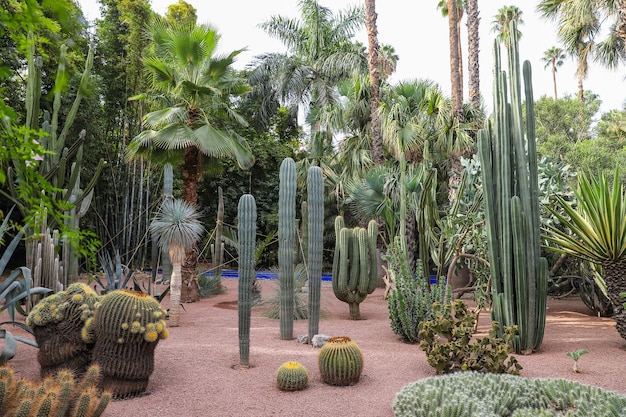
point(468, 394)
point(411, 301)
point(446, 339)
point(210, 285)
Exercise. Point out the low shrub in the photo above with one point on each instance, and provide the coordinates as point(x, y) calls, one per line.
point(446, 339)
point(467, 394)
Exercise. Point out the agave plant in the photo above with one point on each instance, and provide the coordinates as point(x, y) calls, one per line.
point(177, 227)
point(13, 291)
point(598, 234)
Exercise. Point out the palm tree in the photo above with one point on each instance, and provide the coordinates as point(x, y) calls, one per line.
point(554, 57)
point(501, 23)
point(374, 71)
point(473, 52)
point(193, 90)
point(178, 227)
point(453, 10)
point(321, 52)
point(598, 234)
point(579, 24)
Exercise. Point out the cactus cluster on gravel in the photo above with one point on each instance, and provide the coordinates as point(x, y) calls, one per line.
point(466, 394)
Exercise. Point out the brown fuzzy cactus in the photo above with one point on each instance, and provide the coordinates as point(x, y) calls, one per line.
point(126, 327)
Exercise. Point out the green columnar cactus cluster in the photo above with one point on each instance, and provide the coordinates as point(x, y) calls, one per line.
point(509, 173)
point(340, 361)
point(478, 394)
point(126, 327)
point(61, 396)
point(315, 196)
point(57, 322)
point(246, 227)
point(286, 244)
point(355, 267)
point(292, 376)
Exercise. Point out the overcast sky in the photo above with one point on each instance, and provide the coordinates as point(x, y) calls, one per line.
point(419, 35)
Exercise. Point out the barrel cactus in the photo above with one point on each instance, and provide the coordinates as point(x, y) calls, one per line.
point(292, 376)
point(126, 327)
point(340, 361)
point(57, 322)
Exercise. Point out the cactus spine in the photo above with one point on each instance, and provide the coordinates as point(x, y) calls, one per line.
point(246, 233)
point(340, 361)
point(315, 197)
point(286, 244)
point(292, 376)
point(355, 266)
point(509, 161)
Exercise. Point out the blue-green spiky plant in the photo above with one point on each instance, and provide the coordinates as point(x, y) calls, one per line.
point(246, 233)
point(286, 244)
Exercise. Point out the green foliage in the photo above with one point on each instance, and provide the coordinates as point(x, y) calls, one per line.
point(340, 361)
point(210, 285)
point(575, 355)
point(466, 394)
point(116, 273)
point(446, 339)
point(60, 396)
point(412, 300)
point(271, 306)
point(292, 376)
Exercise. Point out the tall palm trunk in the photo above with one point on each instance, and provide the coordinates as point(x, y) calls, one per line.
point(374, 72)
point(554, 76)
point(190, 291)
point(455, 75)
point(615, 278)
point(473, 52)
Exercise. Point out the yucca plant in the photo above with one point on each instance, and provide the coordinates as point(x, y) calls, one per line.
point(598, 234)
point(177, 227)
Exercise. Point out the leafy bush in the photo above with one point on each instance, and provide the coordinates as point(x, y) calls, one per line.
point(446, 339)
point(411, 301)
point(467, 394)
point(210, 285)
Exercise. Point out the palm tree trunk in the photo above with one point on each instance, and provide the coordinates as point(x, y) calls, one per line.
point(615, 278)
point(455, 79)
point(372, 58)
point(175, 290)
point(473, 52)
point(554, 77)
point(191, 177)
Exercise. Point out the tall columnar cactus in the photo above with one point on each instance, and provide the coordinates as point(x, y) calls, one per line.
point(286, 244)
point(57, 322)
point(218, 248)
point(509, 161)
point(315, 196)
point(246, 233)
point(340, 361)
point(355, 267)
point(126, 328)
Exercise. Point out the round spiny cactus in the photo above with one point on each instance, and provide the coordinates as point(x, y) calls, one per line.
point(57, 322)
point(292, 376)
point(127, 326)
point(340, 361)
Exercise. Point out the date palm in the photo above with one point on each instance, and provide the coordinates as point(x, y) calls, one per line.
point(598, 234)
point(501, 23)
point(553, 58)
point(320, 53)
point(178, 228)
point(193, 90)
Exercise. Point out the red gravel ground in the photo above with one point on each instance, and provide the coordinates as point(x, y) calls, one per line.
point(196, 372)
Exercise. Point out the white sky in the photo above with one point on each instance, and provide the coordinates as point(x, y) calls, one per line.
point(419, 35)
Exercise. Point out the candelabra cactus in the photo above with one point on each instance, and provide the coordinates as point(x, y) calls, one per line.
point(509, 173)
point(340, 361)
point(292, 376)
point(286, 244)
point(355, 266)
point(315, 196)
point(57, 322)
point(246, 228)
point(126, 327)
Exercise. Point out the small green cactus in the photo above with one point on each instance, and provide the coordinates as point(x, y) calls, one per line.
point(292, 376)
point(57, 322)
point(575, 355)
point(340, 361)
point(127, 326)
